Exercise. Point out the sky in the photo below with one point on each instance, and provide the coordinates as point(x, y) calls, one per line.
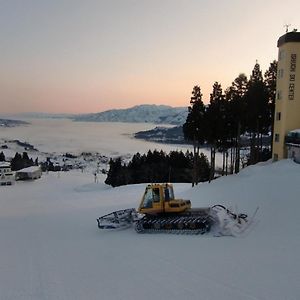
point(71, 56)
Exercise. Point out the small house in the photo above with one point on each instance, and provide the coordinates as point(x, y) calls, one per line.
point(7, 177)
point(30, 173)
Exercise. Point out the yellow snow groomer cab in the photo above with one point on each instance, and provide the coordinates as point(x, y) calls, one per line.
point(159, 199)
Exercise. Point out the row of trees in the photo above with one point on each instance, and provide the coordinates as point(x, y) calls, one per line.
point(247, 106)
point(157, 166)
point(21, 161)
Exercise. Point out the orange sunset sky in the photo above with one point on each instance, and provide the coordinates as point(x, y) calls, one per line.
point(70, 56)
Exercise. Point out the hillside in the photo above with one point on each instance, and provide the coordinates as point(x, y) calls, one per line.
point(159, 114)
point(12, 123)
point(173, 135)
point(51, 247)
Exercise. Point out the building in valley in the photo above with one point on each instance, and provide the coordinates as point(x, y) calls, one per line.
point(29, 173)
point(7, 177)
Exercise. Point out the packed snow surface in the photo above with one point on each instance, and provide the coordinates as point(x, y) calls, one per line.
point(51, 247)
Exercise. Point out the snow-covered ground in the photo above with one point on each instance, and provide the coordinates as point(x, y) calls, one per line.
point(51, 247)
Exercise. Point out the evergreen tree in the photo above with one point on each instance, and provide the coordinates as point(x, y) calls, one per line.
point(179, 166)
point(2, 156)
point(204, 168)
point(194, 129)
point(235, 94)
point(217, 121)
point(135, 165)
point(17, 162)
point(257, 112)
point(114, 173)
point(270, 82)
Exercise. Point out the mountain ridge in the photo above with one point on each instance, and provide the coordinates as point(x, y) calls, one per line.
point(145, 113)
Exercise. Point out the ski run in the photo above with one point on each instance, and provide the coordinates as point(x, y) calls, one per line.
point(51, 247)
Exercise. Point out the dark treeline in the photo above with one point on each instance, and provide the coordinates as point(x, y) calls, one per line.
point(246, 107)
point(157, 166)
point(21, 161)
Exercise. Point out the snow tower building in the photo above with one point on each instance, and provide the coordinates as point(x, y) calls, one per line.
point(287, 105)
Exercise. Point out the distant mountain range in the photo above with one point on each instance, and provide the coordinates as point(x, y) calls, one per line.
point(42, 115)
point(158, 114)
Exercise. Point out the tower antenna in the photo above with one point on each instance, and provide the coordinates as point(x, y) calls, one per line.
point(287, 27)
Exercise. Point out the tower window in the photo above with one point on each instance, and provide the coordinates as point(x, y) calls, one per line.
point(278, 116)
point(279, 95)
point(281, 55)
point(276, 137)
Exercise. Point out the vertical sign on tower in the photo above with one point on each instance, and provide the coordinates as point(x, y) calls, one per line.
point(292, 76)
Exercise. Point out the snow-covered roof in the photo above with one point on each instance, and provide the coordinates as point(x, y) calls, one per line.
point(30, 169)
point(295, 130)
point(4, 164)
point(293, 145)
